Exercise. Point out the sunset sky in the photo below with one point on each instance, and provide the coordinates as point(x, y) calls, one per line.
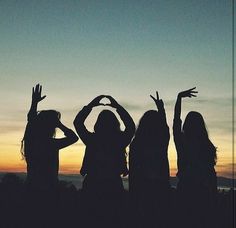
point(128, 49)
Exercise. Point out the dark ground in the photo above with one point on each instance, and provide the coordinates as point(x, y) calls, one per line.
point(71, 208)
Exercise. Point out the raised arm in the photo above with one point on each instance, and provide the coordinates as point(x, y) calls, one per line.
point(126, 118)
point(177, 126)
point(36, 98)
point(161, 110)
point(187, 93)
point(160, 106)
point(70, 137)
point(81, 117)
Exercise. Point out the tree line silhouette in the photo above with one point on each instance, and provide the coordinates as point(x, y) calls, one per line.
point(44, 201)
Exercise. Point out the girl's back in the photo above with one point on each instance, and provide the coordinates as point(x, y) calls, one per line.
point(42, 163)
point(105, 157)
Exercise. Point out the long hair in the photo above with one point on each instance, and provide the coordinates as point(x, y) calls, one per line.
point(108, 132)
point(149, 131)
point(194, 129)
point(107, 123)
point(148, 149)
point(43, 126)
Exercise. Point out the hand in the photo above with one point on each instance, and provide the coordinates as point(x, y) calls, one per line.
point(188, 93)
point(96, 101)
point(159, 103)
point(59, 124)
point(36, 93)
point(114, 103)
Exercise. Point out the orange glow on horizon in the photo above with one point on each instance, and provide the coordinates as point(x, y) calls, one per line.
point(71, 157)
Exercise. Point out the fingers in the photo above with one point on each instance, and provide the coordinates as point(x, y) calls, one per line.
point(190, 94)
point(96, 101)
point(157, 95)
point(36, 88)
point(36, 93)
point(110, 98)
point(153, 98)
point(191, 91)
point(101, 96)
point(98, 98)
point(114, 103)
point(40, 89)
point(43, 97)
point(192, 88)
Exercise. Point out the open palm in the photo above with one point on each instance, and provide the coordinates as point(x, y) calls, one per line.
point(188, 93)
point(36, 93)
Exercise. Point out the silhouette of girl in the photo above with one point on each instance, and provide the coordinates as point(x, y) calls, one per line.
point(105, 157)
point(196, 158)
point(149, 167)
point(40, 147)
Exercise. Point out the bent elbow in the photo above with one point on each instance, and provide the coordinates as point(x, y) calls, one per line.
point(75, 122)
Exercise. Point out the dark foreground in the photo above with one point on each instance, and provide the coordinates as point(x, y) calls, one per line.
point(73, 208)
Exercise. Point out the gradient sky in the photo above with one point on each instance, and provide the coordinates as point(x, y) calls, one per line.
point(129, 49)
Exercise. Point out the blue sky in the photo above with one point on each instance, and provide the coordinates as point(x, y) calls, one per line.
point(129, 49)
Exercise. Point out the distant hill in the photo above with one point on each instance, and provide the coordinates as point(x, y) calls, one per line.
point(77, 180)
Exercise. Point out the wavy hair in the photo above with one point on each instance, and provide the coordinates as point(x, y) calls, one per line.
point(149, 131)
point(194, 128)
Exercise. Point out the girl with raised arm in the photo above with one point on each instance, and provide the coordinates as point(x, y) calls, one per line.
point(105, 155)
point(149, 167)
point(196, 158)
point(103, 164)
point(40, 147)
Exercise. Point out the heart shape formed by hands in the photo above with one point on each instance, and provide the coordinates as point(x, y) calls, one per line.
point(105, 101)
